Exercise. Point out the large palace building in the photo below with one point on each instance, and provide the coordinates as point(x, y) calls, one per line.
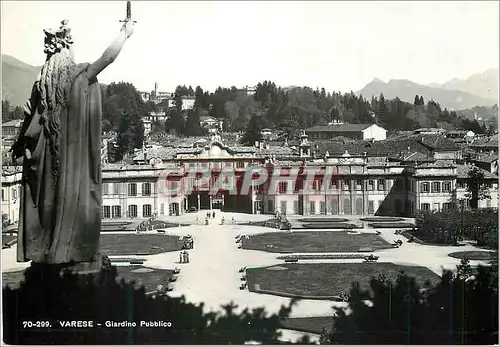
point(328, 178)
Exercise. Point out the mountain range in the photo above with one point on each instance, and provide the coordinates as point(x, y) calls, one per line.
point(17, 80)
point(477, 90)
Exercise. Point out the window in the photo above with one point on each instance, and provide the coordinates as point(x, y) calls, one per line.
point(116, 188)
point(117, 212)
point(446, 187)
point(371, 185)
point(460, 185)
point(359, 184)
point(132, 189)
point(335, 184)
point(283, 207)
point(14, 193)
point(105, 188)
point(162, 208)
point(106, 212)
point(345, 184)
point(282, 186)
point(381, 184)
point(447, 206)
point(424, 187)
point(240, 164)
point(146, 189)
point(296, 207)
point(312, 208)
point(436, 187)
point(146, 210)
point(371, 208)
point(132, 211)
point(425, 207)
point(322, 207)
point(435, 206)
point(316, 185)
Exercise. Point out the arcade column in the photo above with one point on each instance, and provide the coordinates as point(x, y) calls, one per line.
point(198, 201)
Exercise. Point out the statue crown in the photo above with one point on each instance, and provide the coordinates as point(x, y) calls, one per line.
point(57, 39)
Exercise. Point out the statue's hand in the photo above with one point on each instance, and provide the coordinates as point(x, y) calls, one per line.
point(128, 28)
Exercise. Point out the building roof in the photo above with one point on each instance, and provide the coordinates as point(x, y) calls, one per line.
point(13, 123)
point(437, 142)
point(463, 172)
point(345, 128)
point(489, 141)
point(412, 156)
point(486, 158)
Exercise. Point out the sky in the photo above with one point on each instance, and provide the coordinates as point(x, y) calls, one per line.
point(340, 46)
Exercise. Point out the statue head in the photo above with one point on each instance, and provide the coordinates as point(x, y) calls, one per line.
point(58, 40)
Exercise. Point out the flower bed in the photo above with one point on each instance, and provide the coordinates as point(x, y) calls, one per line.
point(328, 226)
point(392, 225)
point(381, 219)
point(322, 256)
point(323, 220)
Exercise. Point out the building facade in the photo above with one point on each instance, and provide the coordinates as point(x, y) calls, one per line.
point(161, 183)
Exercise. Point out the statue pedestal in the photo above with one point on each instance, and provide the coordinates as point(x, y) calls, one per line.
point(98, 269)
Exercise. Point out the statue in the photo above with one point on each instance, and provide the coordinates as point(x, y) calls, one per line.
point(59, 144)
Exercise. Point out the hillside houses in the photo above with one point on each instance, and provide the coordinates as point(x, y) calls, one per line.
point(352, 131)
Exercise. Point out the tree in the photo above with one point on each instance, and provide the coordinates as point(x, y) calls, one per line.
point(417, 100)
point(193, 127)
point(253, 132)
point(476, 187)
point(175, 122)
point(454, 311)
point(44, 295)
point(9, 113)
point(123, 112)
point(130, 135)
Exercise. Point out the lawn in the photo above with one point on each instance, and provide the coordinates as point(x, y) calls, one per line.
point(328, 279)
point(472, 255)
point(314, 241)
point(150, 278)
point(133, 244)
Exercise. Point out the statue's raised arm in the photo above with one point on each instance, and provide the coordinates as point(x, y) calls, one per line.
point(113, 50)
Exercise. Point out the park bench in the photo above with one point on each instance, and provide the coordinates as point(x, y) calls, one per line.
point(243, 285)
point(161, 231)
point(173, 279)
point(243, 269)
point(240, 246)
point(291, 260)
point(177, 270)
point(136, 262)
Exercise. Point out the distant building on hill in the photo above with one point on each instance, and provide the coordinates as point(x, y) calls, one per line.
point(352, 131)
point(11, 128)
